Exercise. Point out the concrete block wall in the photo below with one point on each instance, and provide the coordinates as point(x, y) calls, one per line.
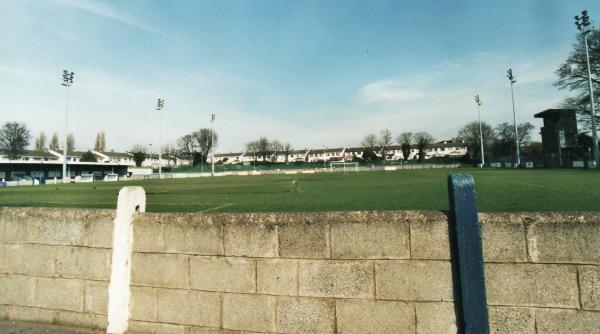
point(346, 272)
point(542, 272)
point(55, 265)
point(352, 272)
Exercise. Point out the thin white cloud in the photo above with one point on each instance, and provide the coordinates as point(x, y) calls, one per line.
point(112, 13)
point(388, 90)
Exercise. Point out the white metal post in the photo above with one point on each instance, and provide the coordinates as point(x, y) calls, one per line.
point(64, 178)
point(67, 82)
point(592, 109)
point(478, 102)
point(582, 24)
point(516, 127)
point(159, 107)
point(212, 144)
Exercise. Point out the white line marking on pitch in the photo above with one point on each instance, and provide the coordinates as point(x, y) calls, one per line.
point(218, 207)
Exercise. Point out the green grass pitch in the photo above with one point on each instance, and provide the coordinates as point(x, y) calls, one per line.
point(497, 191)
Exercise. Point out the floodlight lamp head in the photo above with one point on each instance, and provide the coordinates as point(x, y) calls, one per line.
point(576, 17)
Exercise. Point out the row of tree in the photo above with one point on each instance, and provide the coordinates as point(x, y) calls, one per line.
point(382, 143)
point(15, 137)
point(268, 149)
point(498, 141)
point(40, 142)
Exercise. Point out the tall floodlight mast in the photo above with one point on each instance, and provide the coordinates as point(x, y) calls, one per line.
point(478, 102)
point(582, 23)
point(511, 78)
point(212, 144)
point(67, 82)
point(159, 106)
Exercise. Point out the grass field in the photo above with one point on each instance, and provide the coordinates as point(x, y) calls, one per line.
point(497, 191)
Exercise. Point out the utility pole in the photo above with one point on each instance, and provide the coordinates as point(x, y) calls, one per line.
point(478, 102)
point(582, 24)
point(67, 82)
point(212, 144)
point(511, 78)
point(159, 106)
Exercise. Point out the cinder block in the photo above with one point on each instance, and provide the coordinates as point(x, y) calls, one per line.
point(305, 315)
point(198, 238)
point(589, 281)
point(509, 320)
point(277, 277)
point(223, 274)
point(63, 231)
point(249, 312)
point(564, 242)
point(96, 297)
point(206, 330)
point(414, 280)
point(374, 317)
point(99, 232)
point(3, 258)
point(32, 259)
point(532, 285)
point(250, 239)
point(566, 321)
point(436, 318)
point(503, 242)
point(189, 307)
point(16, 290)
point(23, 230)
point(342, 279)
point(142, 327)
point(59, 293)
point(30, 314)
point(429, 239)
point(304, 240)
point(370, 240)
point(84, 263)
point(143, 304)
point(160, 270)
point(147, 236)
point(85, 320)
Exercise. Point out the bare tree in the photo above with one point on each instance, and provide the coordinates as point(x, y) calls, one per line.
point(139, 154)
point(276, 147)
point(505, 142)
point(100, 144)
point(423, 139)
point(252, 149)
point(14, 138)
point(70, 142)
point(405, 139)
point(54, 142)
point(469, 134)
point(264, 147)
point(385, 140)
point(204, 141)
point(573, 75)
point(40, 142)
point(287, 149)
point(187, 146)
point(370, 141)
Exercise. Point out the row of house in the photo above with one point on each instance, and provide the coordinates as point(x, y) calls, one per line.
point(121, 158)
point(447, 148)
point(48, 163)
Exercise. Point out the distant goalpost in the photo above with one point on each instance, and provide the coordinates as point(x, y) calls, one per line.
point(342, 166)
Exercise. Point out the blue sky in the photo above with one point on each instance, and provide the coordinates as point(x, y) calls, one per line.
point(309, 72)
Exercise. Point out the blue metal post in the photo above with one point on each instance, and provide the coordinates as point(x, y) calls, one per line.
point(467, 255)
